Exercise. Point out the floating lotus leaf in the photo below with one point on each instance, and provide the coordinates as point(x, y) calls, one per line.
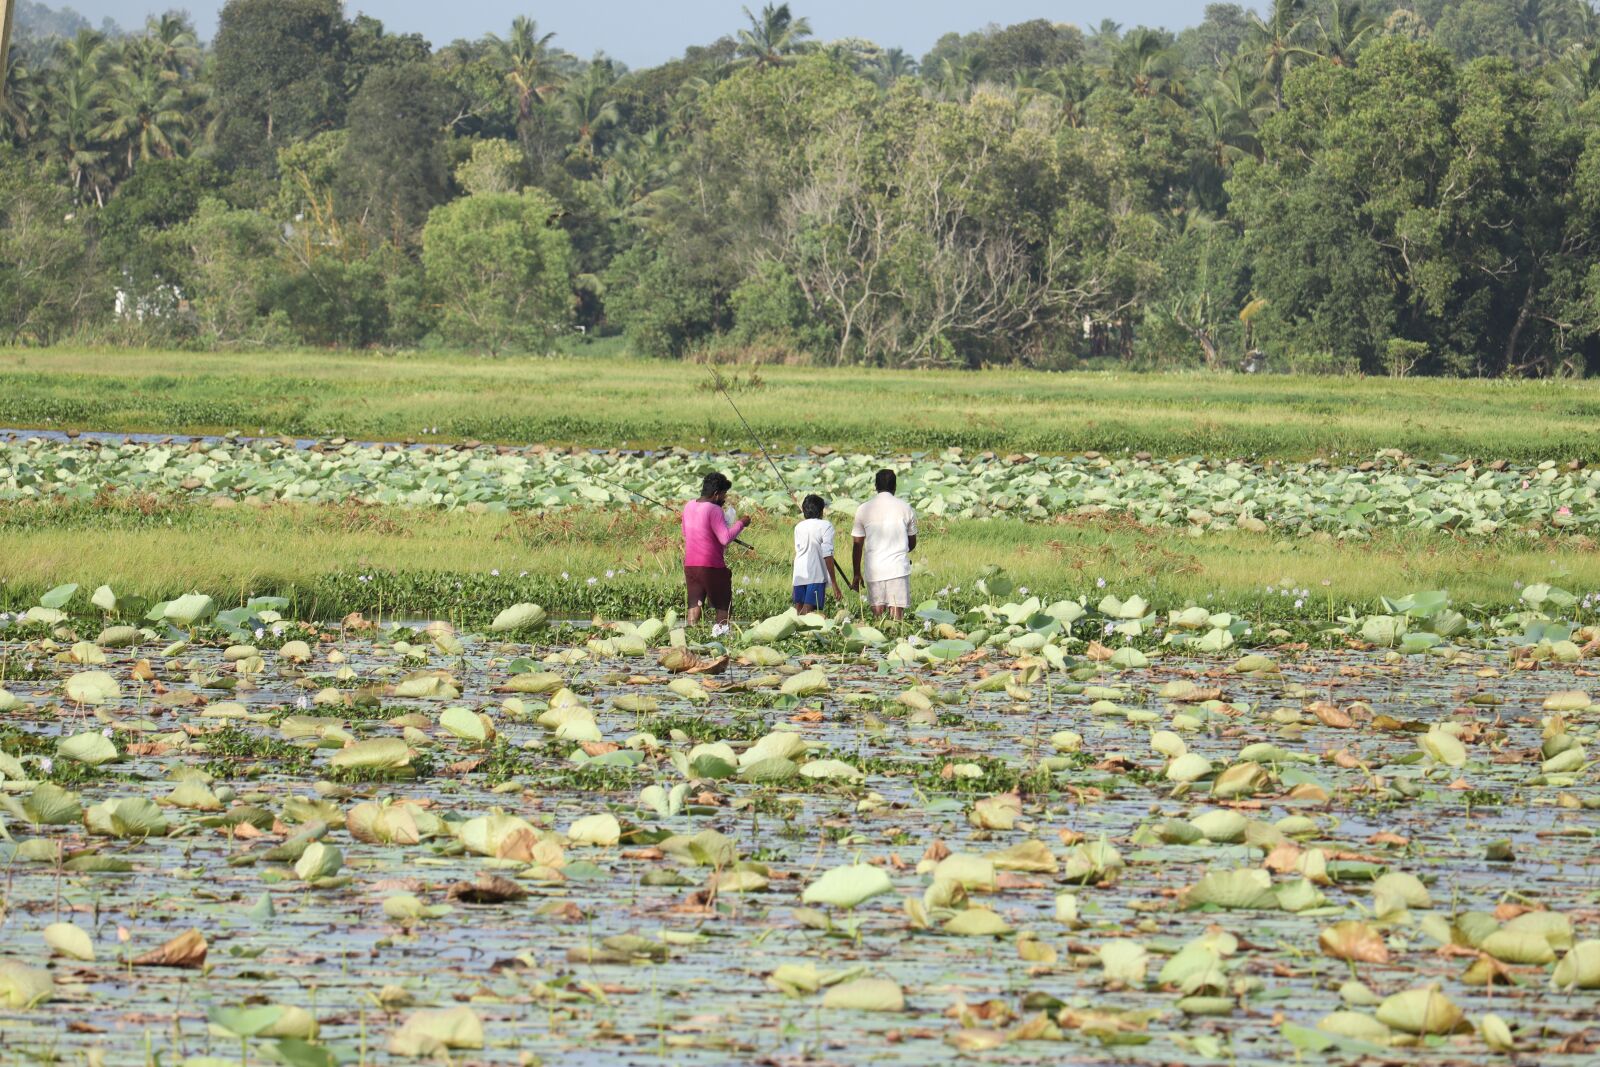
point(848, 887)
point(1420, 1011)
point(519, 617)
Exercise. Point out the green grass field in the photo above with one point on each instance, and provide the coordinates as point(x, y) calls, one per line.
point(469, 566)
point(606, 401)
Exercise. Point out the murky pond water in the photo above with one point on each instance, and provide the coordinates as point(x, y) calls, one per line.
point(546, 983)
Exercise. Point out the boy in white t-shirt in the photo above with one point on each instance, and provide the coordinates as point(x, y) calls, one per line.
point(813, 558)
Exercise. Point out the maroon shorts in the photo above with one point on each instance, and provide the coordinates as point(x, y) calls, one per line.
point(709, 583)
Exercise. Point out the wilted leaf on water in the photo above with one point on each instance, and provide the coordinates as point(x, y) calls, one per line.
point(830, 768)
point(427, 1033)
point(92, 687)
point(1444, 747)
point(977, 922)
point(499, 835)
point(535, 683)
point(24, 987)
point(1239, 780)
point(1189, 767)
point(90, 748)
point(118, 637)
point(805, 684)
point(188, 950)
point(389, 824)
point(1093, 862)
point(484, 889)
point(601, 830)
point(1032, 856)
point(466, 724)
point(1525, 948)
point(997, 812)
point(317, 862)
point(1396, 891)
point(406, 908)
point(848, 886)
point(1249, 888)
point(1355, 1026)
point(70, 941)
point(1420, 1011)
point(866, 994)
point(1496, 1034)
point(378, 753)
point(1124, 961)
point(1579, 968)
point(1353, 940)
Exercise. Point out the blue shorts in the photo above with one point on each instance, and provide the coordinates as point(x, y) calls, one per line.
point(812, 595)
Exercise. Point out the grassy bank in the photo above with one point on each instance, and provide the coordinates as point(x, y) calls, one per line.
point(606, 401)
point(333, 560)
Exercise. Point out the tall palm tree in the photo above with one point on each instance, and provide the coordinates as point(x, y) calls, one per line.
point(528, 64)
point(1143, 63)
point(772, 36)
point(174, 44)
point(74, 110)
point(685, 103)
point(145, 104)
point(1343, 30)
point(957, 78)
point(586, 105)
point(21, 101)
point(1575, 76)
point(1278, 42)
point(895, 64)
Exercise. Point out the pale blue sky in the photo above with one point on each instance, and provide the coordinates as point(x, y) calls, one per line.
point(642, 33)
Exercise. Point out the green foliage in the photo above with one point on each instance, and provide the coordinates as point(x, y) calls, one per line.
point(138, 229)
point(234, 270)
point(502, 268)
point(48, 270)
point(392, 171)
point(1026, 194)
point(331, 302)
point(279, 75)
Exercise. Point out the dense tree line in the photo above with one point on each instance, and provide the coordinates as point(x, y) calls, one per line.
point(1391, 186)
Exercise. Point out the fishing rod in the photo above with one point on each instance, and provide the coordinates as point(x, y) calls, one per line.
point(652, 500)
point(722, 388)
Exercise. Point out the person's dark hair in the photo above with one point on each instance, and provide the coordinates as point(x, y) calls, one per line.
point(811, 507)
point(714, 483)
point(886, 481)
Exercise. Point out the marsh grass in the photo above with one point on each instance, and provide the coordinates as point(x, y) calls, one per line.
point(401, 562)
point(607, 400)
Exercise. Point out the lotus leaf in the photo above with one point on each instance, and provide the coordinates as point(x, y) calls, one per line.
point(1420, 1011)
point(848, 887)
point(866, 994)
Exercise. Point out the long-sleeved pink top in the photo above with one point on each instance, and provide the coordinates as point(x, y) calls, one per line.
point(706, 534)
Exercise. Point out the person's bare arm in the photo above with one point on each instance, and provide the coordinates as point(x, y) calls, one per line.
point(911, 544)
point(855, 560)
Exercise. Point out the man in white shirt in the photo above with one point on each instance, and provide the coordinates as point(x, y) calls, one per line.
point(813, 558)
point(885, 534)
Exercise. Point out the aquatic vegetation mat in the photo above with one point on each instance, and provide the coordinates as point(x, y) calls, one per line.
point(1087, 830)
point(1391, 491)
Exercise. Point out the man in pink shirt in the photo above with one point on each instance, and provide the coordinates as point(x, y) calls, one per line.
point(706, 536)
